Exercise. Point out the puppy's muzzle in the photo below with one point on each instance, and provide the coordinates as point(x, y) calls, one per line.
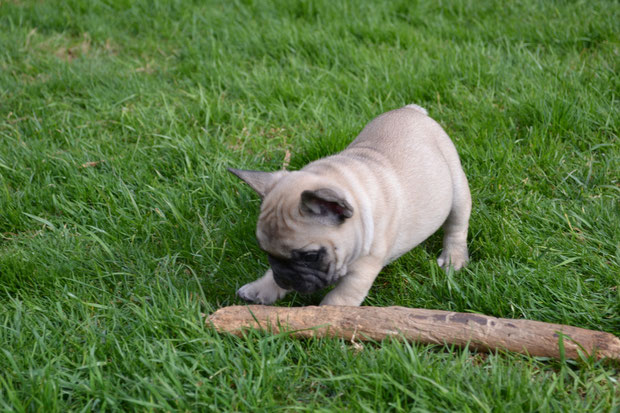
point(302, 277)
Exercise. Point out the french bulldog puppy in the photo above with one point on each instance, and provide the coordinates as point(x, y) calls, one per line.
point(342, 218)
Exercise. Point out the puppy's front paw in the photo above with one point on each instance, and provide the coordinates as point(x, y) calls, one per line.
point(261, 292)
point(254, 294)
point(454, 256)
point(339, 299)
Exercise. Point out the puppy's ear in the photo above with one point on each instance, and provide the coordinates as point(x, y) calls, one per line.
point(261, 182)
point(326, 204)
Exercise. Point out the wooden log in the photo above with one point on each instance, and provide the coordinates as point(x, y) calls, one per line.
point(480, 332)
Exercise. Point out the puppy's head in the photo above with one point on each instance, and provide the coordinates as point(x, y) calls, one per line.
point(303, 227)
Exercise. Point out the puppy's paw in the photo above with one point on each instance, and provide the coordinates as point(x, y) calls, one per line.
point(454, 256)
point(261, 292)
point(337, 299)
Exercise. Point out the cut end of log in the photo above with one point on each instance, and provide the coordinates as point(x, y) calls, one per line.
point(480, 332)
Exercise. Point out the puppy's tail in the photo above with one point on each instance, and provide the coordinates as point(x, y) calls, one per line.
point(418, 108)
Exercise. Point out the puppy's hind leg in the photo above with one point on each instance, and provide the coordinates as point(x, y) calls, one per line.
point(262, 291)
point(454, 252)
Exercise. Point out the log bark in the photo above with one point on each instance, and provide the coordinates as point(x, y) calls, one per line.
point(480, 332)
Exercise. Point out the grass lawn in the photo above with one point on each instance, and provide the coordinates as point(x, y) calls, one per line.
point(119, 224)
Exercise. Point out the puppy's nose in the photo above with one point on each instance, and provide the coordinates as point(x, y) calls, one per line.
point(276, 263)
point(282, 282)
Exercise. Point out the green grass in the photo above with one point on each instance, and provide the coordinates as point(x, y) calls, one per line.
point(106, 269)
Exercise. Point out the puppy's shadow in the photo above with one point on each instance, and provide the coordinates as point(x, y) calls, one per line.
point(295, 299)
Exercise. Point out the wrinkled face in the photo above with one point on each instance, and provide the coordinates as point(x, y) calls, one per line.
point(302, 235)
point(304, 271)
point(304, 227)
point(302, 255)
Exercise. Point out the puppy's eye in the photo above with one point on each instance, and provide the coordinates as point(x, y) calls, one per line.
point(310, 256)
